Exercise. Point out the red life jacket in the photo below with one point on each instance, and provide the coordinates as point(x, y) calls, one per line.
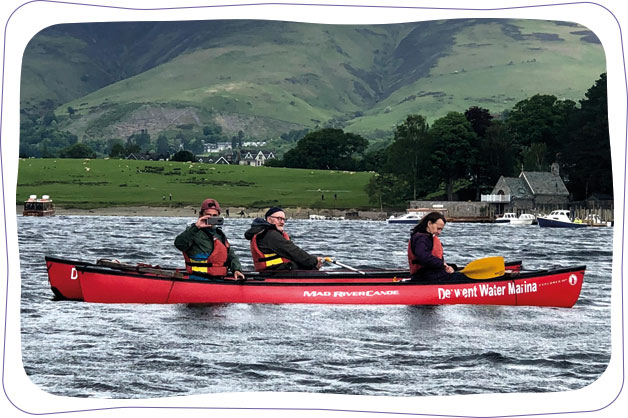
point(437, 251)
point(263, 261)
point(214, 265)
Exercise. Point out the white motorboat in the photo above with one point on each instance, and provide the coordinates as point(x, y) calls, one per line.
point(506, 218)
point(411, 217)
point(510, 218)
point(524, 219)
point(559, 219)
point(414, 215)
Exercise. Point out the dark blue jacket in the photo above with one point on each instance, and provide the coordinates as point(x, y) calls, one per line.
point(432, 267)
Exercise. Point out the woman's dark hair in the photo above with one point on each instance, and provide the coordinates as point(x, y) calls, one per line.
point(430, 217)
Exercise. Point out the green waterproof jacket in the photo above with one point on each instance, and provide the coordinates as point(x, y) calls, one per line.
point(199, 243)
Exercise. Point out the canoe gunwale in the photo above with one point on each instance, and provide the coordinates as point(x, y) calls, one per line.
point(326, 278)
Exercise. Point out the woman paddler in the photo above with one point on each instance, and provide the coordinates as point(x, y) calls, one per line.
point(425, 251)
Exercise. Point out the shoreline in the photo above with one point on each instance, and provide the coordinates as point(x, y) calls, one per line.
point(192, 212)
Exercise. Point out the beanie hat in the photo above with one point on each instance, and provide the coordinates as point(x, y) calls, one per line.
point(210, 203)
point(272, 210)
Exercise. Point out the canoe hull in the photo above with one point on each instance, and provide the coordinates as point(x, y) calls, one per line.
point(559, 288)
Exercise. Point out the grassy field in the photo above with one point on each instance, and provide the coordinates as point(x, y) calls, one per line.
point(87, 184)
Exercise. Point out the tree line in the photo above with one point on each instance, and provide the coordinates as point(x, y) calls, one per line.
point(462, 155)
point(42, 137)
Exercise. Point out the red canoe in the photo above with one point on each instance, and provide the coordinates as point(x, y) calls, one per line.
point(109, 282)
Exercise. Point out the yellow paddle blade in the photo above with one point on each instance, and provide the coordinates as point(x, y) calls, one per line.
point(485, 268)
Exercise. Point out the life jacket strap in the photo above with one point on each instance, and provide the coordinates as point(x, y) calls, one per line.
point(269, 257)
point(204, 264)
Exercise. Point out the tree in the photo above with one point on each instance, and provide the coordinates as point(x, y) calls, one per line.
point(196, 146)
point(326, 149)
point(374, 160)
point(117, 150)
point(183, 156)
point(163, 145)
point(497, 154)
point(540, 119)
point(453, 151)
point(407, 154)
point(480, 120)
point(142, 140)
point(387, 189)
point(586, 158)
point(78, 151)
point(132, 149)
point(534, 157)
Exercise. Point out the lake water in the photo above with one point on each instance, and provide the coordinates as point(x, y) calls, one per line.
point(146, 351)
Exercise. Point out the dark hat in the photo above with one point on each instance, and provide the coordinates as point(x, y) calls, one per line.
point(210, 203)
point(272, 210)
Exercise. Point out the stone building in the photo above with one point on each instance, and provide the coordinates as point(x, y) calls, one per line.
point(532, 191)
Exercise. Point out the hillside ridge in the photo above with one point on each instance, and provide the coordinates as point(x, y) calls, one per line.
point(268, 77)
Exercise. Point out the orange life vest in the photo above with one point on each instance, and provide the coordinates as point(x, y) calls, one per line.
point(263, 261)
point(437, 251)
point(215, 264)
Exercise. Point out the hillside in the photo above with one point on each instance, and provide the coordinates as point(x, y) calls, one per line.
point(266, 78)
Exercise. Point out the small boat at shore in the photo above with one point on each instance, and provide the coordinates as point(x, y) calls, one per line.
point(326, 218)
point(113, 282)
point(505, 218)
point(593, 219)
point(38, 207)
point(559, 219)
point(414, 215)
point(512, 219)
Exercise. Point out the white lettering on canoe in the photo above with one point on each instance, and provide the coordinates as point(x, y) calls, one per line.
point(315, 294)
point(525, 287)
point(340, 294)
point(73, 274)
point(492, 290)
point(487, 290)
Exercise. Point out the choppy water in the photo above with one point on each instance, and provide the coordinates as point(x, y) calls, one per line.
point(146, 351)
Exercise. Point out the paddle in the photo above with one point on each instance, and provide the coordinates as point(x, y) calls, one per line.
point(331, 260)
point(485, 268)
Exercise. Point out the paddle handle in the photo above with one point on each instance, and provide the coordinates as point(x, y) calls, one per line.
point(331, 260)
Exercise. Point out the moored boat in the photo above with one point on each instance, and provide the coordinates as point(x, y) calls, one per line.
point(559, 219)
point(506, 218)
point(524, 219)
point(510, 218)
point(124, 283)
point(38, 207)
point(414, 215)
point(593, 219)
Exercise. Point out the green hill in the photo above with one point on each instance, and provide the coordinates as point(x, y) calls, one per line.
point(266, 78)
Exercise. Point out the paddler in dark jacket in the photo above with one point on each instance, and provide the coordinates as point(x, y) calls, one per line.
point(205, 247)
point(272, 248)
point(425, 251)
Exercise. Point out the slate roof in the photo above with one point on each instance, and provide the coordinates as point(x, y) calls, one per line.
point(518, 188)
point(544, 183)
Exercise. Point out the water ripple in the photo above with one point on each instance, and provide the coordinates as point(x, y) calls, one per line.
point(144, 351)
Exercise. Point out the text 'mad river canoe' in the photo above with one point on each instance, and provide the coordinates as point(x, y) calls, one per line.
point(112, 282)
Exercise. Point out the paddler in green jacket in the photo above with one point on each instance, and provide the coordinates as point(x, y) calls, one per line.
point(205, 247)
point(272, 248)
